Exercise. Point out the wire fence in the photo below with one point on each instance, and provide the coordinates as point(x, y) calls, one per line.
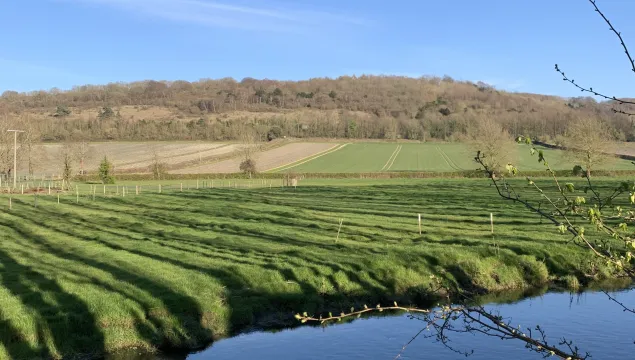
point(52, 187)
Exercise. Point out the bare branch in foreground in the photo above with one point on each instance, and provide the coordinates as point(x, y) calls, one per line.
point(463, 319)
point(628, 56)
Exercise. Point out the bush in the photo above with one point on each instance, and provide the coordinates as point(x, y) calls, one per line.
point(159, 170)
point(105, 113)
point(274, 133)
point(61, 111)
point(248, 166)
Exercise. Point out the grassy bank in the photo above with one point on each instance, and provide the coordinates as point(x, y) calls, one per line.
point(178, 268)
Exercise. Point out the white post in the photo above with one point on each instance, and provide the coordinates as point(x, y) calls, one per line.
point(419, 224)
point(491, 220)
point(77, 193)
point(338, 230)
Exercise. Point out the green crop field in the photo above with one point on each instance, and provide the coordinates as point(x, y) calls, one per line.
point(441, 157)
point(352, 158)
point(429, 157)
point(177, 269)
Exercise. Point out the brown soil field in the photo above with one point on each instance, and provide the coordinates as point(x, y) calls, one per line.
point(264, 160)
point(127, 156)
point(625, 148)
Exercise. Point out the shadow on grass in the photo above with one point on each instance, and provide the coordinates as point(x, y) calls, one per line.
point(73, 326)
point(64, 323)
point(218, 235)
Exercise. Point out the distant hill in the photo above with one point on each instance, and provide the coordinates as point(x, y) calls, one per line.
point(377, 107)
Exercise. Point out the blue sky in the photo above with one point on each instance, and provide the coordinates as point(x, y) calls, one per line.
point(510, 44)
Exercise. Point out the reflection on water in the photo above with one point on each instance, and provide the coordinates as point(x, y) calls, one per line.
point(589, 319)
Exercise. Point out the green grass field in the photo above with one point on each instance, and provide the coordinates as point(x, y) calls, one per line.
point(428, 157)
point(178, 269)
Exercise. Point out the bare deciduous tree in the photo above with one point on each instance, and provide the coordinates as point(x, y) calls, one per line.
point(158, 167)
point(248, 150)
point(589, 143)
point(495, 144)
point(67, 160)
point(6, 145)
point(83, 152)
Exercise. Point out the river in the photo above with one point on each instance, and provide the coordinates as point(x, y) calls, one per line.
point(590, 319)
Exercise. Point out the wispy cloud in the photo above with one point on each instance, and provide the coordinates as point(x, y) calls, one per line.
point(217, 14)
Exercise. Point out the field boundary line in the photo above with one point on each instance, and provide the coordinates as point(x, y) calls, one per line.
point(307, 159)
point(390, 158)
point(395, 157)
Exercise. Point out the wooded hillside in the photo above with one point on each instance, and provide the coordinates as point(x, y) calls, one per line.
point(377, 107)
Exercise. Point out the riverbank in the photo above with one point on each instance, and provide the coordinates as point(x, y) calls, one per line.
point(176, 269)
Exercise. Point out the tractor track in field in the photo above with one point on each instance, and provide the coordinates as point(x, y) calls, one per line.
point(448, 160)
point(164, 158)
point(307, 159)
point(391, 159)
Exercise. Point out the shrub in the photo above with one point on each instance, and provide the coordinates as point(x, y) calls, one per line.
point(105, 172)
point(274, 133)
point(248, 166)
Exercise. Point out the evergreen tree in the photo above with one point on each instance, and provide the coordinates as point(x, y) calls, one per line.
point(105, 172)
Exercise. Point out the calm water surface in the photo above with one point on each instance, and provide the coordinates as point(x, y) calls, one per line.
point(589, 319)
